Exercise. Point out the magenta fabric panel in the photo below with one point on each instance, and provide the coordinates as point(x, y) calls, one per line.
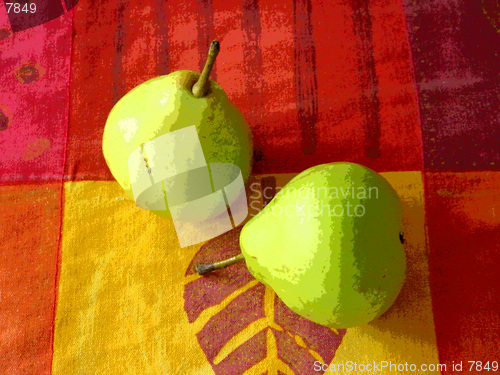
point(34, 83)
point(456, 53)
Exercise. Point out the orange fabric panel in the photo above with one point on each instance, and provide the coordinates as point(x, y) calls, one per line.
point(30, 223)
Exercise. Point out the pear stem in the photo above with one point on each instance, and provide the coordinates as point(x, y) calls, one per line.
point(200, 88)
point(206, 268)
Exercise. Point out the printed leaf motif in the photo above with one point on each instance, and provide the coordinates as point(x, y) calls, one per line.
point(243, 327)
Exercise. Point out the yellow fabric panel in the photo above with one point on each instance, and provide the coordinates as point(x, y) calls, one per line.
point(120, 305)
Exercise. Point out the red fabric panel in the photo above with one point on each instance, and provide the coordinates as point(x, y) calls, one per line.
point(92, 86)
point(368, 109)
point(334, 77)
point(463, 223)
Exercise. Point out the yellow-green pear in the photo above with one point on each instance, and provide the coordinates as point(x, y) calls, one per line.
point(329, 244)
point(175, 101)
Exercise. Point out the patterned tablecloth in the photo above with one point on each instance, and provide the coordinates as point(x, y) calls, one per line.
point(91, 284)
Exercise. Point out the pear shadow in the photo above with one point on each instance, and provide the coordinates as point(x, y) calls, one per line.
point(411, 313)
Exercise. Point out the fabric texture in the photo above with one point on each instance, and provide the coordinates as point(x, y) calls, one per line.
point(91, 284)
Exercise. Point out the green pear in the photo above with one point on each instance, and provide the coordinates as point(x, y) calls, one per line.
point(168, 103)
point(329, 245)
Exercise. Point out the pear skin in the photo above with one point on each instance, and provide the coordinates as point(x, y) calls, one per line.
point(337, 268)
point(165, 104)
